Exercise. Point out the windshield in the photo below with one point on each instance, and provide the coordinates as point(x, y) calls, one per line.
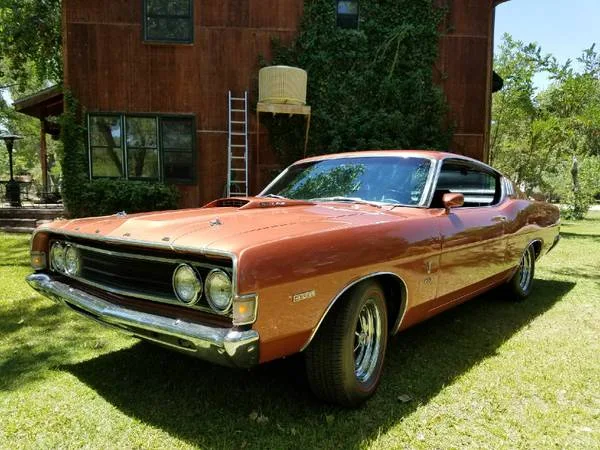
point(381, 179)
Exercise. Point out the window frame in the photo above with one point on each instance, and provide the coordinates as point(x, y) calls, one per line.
point(161, 170)
point(149, 40)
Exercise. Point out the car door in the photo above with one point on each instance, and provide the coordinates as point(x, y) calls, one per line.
point(473, 242)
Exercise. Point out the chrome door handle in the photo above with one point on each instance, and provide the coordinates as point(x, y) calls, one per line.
point(499, 219)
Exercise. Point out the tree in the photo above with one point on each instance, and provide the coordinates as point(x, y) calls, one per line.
point(519, 132)
point(30, 59)
point(537, 136)
point(31, 41)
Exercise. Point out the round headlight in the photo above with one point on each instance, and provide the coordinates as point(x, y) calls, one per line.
point(57, 257)
point(72, 261)
point(219, 291)
point(187, 284)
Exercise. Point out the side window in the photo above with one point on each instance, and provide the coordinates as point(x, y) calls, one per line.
point(169, 21)
point(480, 187)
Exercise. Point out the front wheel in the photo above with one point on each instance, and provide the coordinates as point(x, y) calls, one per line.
point(345, 361)
point(519, 285)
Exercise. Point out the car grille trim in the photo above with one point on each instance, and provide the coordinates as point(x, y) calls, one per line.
point(146, 277)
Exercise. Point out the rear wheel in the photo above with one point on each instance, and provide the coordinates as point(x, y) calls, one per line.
point(519, 285)
point(345, 360)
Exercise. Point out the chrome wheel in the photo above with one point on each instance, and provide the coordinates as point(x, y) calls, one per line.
point(367, 341)
point(526, 269)
point(345, 361)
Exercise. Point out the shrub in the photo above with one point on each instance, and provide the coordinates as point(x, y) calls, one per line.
point(105, 196)
point(560, 186)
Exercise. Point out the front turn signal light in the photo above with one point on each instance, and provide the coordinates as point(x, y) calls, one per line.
point(38, 260)
point(245, 309)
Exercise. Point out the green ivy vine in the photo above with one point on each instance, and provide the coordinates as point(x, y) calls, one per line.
point(73, 156)
point(370, 88)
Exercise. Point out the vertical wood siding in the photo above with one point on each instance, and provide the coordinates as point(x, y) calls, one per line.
point(110, 68)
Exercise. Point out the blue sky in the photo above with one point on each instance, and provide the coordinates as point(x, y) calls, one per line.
point(561, 27)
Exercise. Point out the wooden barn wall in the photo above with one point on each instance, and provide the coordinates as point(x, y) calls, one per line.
point(464, 71)
point(111, 69)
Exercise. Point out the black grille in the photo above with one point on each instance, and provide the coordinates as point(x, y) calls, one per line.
point(139, 275)
point(148, 277)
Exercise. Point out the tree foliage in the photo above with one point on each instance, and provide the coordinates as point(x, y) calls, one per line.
point(539, 137)
point(30, 59)
point(31, 40)
point(369, 88)
point(26, 155)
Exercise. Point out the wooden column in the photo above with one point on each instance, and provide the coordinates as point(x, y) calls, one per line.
point(43, 156)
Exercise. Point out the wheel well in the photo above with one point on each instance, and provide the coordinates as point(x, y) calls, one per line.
point(394, 290)
point(395, 298)
point(537, 246)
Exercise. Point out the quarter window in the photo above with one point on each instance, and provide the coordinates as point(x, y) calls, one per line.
point(142, 147)
point(169, 20)
point(479, 187)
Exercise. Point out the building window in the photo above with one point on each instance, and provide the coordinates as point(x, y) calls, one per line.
point(177, 143)
point(106, 146)
point(169, 20)
point(142, 147)
point(347, 14)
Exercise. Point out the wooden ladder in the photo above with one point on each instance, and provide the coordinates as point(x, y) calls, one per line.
point(237, 146)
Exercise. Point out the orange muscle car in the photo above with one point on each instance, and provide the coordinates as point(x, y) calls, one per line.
point(335, 255)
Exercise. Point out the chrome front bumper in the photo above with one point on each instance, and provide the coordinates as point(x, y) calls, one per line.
point(223, 346)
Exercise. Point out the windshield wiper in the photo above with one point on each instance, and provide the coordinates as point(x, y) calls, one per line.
point(356, 200)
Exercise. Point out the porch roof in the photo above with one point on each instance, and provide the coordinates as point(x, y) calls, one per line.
point(42, 104)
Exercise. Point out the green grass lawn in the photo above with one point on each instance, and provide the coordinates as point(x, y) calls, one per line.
point(488, 374)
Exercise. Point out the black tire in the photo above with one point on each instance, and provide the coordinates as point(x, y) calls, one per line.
point(333, 360)
point(519, 286)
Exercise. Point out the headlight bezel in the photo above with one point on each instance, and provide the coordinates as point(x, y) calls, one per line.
point(69, 249)
point(197, 292)
point(55, 247)
point(216, 308)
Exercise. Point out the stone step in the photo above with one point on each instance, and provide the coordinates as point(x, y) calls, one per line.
point(31, 213)
point(16, 229)
point(19, 223)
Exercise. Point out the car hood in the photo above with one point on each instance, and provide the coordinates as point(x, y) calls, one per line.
point(225, 228)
